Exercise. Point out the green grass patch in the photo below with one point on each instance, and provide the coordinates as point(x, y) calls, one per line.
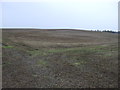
point(41, 63)
point(7, 46)
point(78, 60)
point(34, 75)
point(36, 53)
point(78, 50)
point(79, 63)
point(6, 63)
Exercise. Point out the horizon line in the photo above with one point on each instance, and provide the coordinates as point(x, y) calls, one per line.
point(59, 29)
point(55, 28)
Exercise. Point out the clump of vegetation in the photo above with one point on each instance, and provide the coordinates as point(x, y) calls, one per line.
point(77, 63)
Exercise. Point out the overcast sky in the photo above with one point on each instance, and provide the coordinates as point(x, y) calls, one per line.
point(83, 14)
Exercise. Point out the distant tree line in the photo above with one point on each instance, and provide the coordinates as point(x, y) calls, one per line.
point(110, 31)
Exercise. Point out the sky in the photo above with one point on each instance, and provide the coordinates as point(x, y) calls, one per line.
point(48, 14)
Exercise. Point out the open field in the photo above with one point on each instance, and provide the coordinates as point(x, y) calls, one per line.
point(59, 59)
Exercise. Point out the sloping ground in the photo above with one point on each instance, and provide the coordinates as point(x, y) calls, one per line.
point(59, 59)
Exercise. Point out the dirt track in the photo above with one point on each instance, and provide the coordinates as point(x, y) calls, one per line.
point(59, 59)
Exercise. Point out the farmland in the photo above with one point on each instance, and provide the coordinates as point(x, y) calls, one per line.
point(59, 58)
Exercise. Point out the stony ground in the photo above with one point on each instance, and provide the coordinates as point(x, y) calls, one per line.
point(59, 59)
